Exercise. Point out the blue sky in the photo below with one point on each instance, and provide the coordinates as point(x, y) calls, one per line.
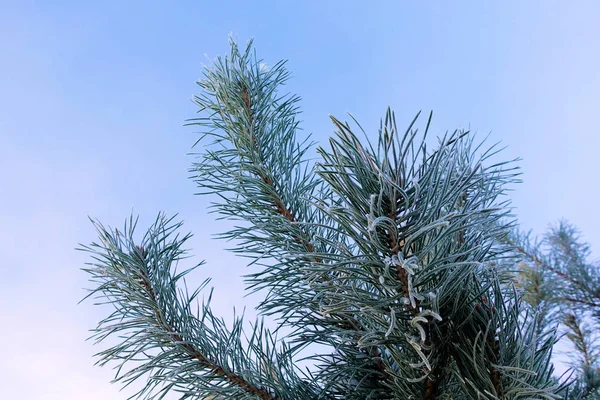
point(94, 95)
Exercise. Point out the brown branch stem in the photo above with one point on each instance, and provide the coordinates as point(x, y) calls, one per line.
point(588, 303)
point(288, 214)
point(196, 354)
point(521, 250)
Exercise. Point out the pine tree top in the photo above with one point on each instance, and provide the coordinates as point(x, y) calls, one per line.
point(385, 253)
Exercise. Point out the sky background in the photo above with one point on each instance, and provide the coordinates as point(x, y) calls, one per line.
point(94, 96)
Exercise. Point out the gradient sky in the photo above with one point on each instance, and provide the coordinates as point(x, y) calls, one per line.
point(94, 95)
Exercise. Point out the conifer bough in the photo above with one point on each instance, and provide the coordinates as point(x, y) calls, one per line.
point(385, 254)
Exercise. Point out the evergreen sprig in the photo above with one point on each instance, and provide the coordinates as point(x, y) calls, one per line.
point(562, 288)
point(387, 256)
point(174, 345)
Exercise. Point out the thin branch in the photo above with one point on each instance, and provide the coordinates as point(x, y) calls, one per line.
point(288, 214)
point(521, 250)
point(277, 201)
point(194, 353)
point(588, 303)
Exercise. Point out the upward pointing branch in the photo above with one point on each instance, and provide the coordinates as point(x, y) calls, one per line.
point(262, 164)
point(267, 177)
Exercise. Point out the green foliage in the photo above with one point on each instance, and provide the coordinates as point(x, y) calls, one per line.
point(182, 349)
point(562, 288)
point(386, 255)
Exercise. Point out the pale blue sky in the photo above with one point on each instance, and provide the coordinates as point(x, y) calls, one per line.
point(94, 95)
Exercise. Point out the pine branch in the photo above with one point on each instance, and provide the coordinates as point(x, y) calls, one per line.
point(560, 260)
point(264, 170)
point(544, 265)
point(372, 186)
point(258, 161)
point(191, 350)
point(578, 338)
point(585, 302)
point(574, 281)
point(583, 339)
point(159, 330)
point(267, 176)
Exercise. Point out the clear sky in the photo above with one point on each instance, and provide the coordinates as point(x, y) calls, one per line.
point(94, 95)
